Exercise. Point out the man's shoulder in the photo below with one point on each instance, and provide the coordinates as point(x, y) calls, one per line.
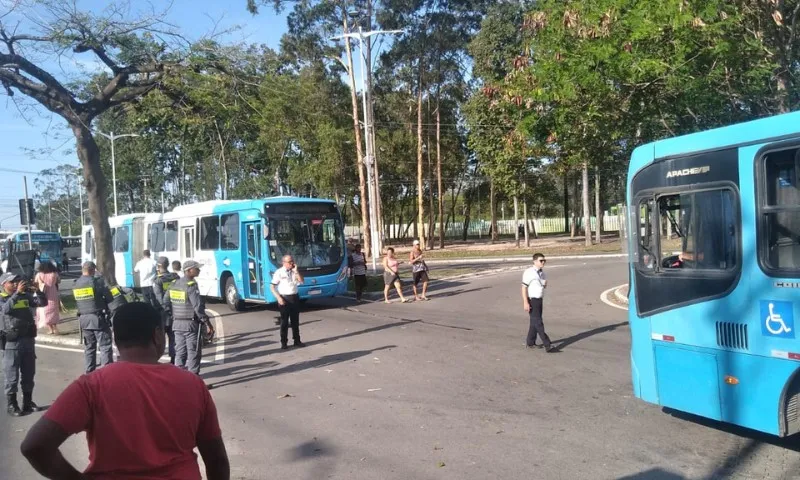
point(529, 271)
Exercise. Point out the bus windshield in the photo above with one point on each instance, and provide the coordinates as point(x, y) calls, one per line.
point(314, 240)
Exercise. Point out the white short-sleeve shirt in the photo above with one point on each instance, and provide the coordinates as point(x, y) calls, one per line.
point(285, 281)
point(534, 279)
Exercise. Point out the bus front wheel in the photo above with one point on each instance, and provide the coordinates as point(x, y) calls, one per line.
point(232, 296)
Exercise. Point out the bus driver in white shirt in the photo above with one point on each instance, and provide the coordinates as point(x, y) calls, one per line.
point(284, 287)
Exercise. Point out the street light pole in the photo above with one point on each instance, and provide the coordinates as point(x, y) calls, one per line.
point(113, 137)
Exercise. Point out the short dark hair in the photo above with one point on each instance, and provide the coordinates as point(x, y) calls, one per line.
point(537, 256)
point(176, 265)
point(134, 325)
point(146, 253)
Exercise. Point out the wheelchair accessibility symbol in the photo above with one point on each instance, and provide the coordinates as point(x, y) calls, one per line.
point(777, 319)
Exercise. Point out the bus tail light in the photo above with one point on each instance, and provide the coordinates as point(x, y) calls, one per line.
point(731, 380)
point(663, 338)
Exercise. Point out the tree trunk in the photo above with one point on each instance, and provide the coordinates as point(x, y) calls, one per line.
point(493, 208)
point(370, 121)
point(587, 214)
point(567, 228)
point(525, 215)
point(431, 214)
point(597, 212)
point(420, 192)
point(439, 173)
point(516, 220)
point(362, 181)
point(97, 195)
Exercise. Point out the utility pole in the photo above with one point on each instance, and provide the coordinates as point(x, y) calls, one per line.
point(369, 159)
point(28, 214)
point(113, 137)
point(145, 177)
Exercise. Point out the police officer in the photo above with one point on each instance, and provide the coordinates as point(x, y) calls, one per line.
point(188, 314)
point(17, 338)
point(165, 279)
point(94, 300)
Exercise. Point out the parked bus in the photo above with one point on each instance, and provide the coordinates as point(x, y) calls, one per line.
point(71, 246)
point(240, 244)
point(48, 244)
point(715, 273)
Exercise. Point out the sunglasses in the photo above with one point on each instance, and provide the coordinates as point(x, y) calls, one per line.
point(542, 260)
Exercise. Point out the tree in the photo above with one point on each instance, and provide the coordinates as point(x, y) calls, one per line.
point(58, 200)
point(134, 52)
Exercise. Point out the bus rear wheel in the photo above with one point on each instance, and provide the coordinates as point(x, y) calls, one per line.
point(232, 297)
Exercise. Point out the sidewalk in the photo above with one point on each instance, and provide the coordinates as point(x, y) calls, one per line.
point(69, 334)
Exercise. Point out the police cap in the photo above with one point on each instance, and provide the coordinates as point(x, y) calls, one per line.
point(8, 277)
point(189, 264)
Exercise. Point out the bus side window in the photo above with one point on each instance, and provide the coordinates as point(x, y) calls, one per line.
point(646, 248)
point(171, 236)
point(780, 245)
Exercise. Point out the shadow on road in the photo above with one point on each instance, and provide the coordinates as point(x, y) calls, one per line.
point(314, 450)
point(297, 367)
point(565, 342)
point(654, 474)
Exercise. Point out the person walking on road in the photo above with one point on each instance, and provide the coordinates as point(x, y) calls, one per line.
point(146, 268)
point(391, 276)
point(284, 286)
point(47, 279)
point(188, 310)
point(163, 281)
point(420, 270)
point(534, 282)
point(142, 418)
point(358, 270)
point(18, 341)
point(93, 298)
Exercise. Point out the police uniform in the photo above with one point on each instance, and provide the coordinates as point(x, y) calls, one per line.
point(18, 331)
point(162, 284)
point(95, 300)
point(188, 314)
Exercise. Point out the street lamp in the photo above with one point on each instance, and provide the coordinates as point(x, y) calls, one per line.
point(113, 137)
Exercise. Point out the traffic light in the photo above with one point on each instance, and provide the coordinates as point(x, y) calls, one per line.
point(26, 215)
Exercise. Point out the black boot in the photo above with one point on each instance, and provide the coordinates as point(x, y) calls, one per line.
point(27, 404)
point(13, 406)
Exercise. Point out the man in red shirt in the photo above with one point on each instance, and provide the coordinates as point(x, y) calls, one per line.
point(142, 418)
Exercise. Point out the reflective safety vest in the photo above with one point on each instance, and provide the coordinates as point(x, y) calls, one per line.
point(182, 308)
point(19, 322)
point(87, 296)
point(118, 298)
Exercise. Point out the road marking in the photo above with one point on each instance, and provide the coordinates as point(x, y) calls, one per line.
point(609, 302)
point(219, 356)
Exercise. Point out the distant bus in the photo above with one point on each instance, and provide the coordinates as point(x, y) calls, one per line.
point(240, 244)
point(714, 306)
point(72, 246)
point(48, 244)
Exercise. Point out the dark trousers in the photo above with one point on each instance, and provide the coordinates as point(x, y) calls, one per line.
point(150, 297)
point(189, 348)
point(19, 362)
point(91, 340)
point(537, 324)
point(290, 311)
point(359, 281)
point(166, 320)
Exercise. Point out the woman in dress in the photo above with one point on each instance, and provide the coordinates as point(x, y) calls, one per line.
point(391, 276)
point(47, 280)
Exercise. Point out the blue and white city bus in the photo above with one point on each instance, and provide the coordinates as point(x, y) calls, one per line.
point(127, 232)
point(715, 273)
point(48, 244)
point(240, 244)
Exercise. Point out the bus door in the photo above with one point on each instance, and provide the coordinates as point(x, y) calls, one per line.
point(254, 286)
point(187, 243)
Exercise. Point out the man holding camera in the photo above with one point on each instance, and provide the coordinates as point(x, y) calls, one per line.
point(18, 340)
point(284, 287)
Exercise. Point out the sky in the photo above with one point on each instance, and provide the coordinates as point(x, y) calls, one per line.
point(31, 141)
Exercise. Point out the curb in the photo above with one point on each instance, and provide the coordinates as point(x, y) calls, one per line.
point(63, 340)
point(621, 297)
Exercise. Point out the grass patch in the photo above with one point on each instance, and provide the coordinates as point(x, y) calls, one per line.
point(550, 250)
point(68, 301)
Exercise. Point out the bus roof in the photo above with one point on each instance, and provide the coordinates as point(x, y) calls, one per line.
point(222, 206)
point(754, 132)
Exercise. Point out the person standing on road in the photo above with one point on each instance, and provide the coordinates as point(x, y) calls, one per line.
point(47, 280)
point(391, 276)
point(358, 270)
point(142, 419)
point(146, 268)
point(188, 310)
point(176, 268)
point(18, 341)
point(93, 298)
point(534, 282)
point(163, 281)
point(419, 269)
point(284, 287)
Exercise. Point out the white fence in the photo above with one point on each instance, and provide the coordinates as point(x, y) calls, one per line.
point(479, 228)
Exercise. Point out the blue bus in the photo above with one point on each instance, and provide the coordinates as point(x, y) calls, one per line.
point(714, 248)
point(48, 244)
point(240, 244)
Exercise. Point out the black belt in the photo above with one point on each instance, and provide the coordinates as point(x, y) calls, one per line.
point(535, 298)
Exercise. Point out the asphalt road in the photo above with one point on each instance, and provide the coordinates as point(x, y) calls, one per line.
point(445, 390)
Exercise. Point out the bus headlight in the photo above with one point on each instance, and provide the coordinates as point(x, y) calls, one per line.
point(342, 275)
